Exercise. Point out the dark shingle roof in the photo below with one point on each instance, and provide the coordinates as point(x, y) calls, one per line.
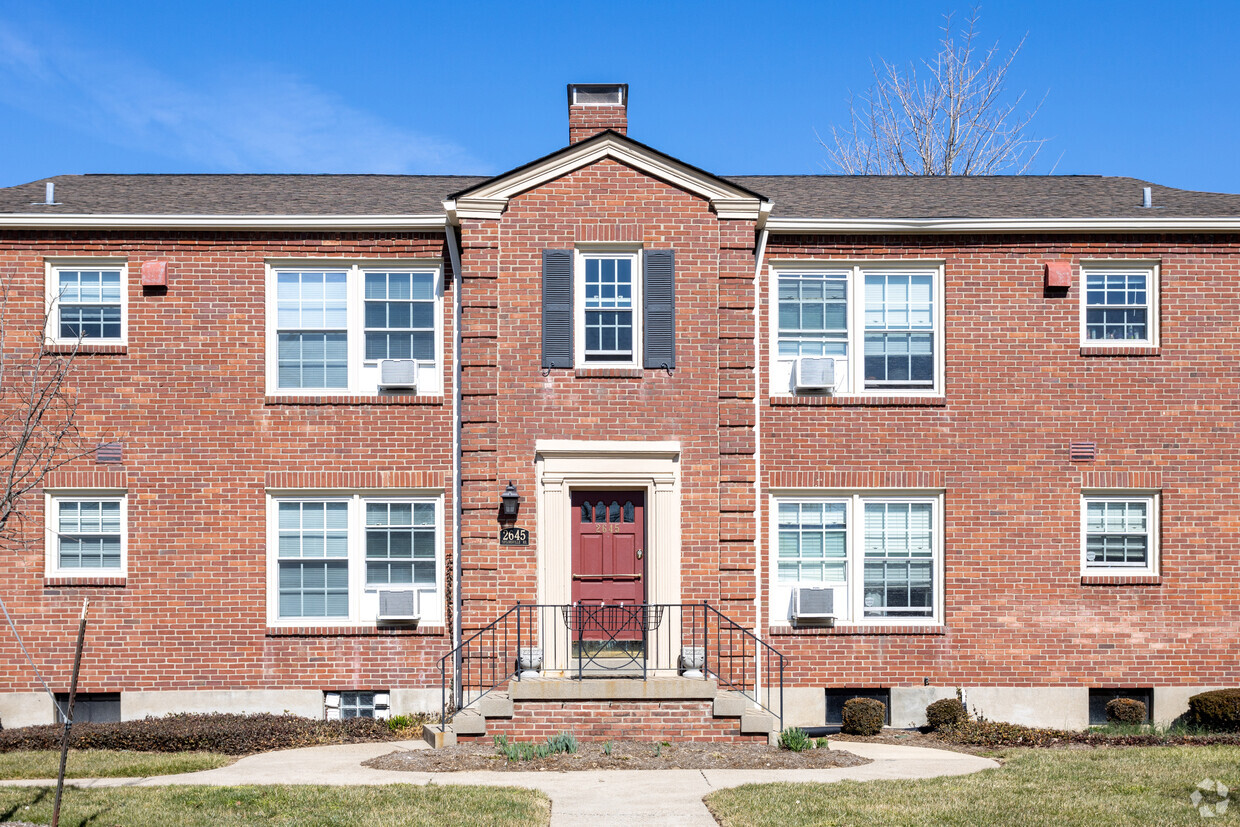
point(997, 196)
point(238, 194)
point(794, 196)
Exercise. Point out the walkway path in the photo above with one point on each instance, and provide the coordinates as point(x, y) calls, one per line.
point(614, 797)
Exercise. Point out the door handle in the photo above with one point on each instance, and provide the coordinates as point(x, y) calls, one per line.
point(639, 554)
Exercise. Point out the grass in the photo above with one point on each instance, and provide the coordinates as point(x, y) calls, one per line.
point(386, 806)
point(1056, 788)
point(106, 763)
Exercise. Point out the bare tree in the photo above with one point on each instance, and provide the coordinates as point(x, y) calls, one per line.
point(948, 117)
point(38, 412)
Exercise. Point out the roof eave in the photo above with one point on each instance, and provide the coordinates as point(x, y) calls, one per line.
point(935, 226)
point(120, 221)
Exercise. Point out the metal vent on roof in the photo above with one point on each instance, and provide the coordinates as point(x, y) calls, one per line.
point(109, 452)
point(1083, 451)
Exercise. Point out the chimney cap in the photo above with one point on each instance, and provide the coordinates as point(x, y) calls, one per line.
point(598, 94)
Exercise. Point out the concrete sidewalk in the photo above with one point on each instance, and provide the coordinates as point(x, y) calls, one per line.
point(619, 797)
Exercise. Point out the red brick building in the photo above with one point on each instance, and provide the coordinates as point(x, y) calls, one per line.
point(905, 436)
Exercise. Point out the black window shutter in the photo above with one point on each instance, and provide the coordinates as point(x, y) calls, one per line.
point(659, 305)
point(557, 297)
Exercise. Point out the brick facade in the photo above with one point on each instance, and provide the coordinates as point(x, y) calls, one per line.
point(204, 443)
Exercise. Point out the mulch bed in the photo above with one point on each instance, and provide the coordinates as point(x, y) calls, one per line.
point(913, 738)
point(625, 755)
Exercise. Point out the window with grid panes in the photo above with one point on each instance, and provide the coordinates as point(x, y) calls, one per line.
point(88, 304)
point(400, 543)
point(1119, 533)
point(1118, 304)
point(86, 535)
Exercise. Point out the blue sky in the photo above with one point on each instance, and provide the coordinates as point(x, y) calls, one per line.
point(1141, 88)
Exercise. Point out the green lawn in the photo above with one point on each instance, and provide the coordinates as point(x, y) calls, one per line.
point(1052, 787)
point(106, 763)
point(386, 806)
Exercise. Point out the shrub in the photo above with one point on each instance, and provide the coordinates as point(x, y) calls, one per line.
point(1218, 710)
point(1125, 711)
point(946, 713)
point(795, 739)
point(863, 716)
point(998, 734)
point(226, 733)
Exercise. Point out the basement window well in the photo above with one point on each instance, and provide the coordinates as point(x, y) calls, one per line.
point(90, 707)
point(1099, 698)
point(836, 698)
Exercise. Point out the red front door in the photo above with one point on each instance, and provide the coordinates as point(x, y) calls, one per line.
point(609, 542)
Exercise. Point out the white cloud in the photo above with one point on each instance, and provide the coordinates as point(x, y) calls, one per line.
point(244, 119)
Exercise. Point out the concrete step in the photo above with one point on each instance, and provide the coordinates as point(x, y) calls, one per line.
point(437, 736)
point(754, 722)
point(469, 722)
point(729, 704)
point(495, 705)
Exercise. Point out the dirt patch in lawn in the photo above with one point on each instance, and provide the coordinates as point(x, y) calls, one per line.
point(913, 738)
point(625, 755)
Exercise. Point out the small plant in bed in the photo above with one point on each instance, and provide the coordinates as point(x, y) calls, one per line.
point(795, 739)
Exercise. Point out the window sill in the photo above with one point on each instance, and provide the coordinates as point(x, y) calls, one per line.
point(353, 400)
point(84, 348)
point(818, 631)
point(1121, 580)
point(61, 581)
point(860, 401)
point(1120, 350)
point(357, 631)
point(608, 373)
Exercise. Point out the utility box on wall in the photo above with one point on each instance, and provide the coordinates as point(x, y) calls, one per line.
point(154, 274)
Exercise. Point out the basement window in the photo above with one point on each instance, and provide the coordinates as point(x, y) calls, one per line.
point(836, 698)
point(344, 705)
point(90, 707)
point(1099, 698)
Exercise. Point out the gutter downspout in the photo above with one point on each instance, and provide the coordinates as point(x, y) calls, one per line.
point(454, 254)
point(759, 567)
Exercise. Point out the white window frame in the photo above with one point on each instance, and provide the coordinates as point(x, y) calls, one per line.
point(363, 373)
point(593, 251)
point(52, 268)
point(363, 599)
point(854, 612)
point(1151, 270)
point(51, 531)
point(855, 362)
point(1152, 499)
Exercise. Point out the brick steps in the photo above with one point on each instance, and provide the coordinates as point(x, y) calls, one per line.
point(672, 709)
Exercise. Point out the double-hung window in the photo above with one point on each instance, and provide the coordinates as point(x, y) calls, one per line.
point(85, 535)
point(87, 302)
point(330, 556)
point(1119, 533)
point(331, 327)
point(609, 325)
point(881, 555)
point(1119, 304)
point(880, 327)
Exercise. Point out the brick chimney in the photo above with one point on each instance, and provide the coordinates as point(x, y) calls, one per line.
point(594, 107)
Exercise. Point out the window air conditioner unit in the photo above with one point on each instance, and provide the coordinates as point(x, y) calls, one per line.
point(815, 373)
point(398, 373)
point(813, 604)
point(398, 604)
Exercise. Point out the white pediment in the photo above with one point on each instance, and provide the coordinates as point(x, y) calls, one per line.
point(490, 199)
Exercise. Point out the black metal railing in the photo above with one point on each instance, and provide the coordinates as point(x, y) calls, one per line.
point(637, 641)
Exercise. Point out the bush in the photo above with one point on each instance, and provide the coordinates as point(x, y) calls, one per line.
point(229, 734)
point(1218, 711)
point(795, 739)
point(864, 716)
point(998, 734)
point(1125, 711)
point(946, 713)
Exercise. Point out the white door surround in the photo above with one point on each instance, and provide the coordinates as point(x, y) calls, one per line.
point(563, 465)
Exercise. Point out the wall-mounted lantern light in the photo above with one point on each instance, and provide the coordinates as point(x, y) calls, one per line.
point(509, 501)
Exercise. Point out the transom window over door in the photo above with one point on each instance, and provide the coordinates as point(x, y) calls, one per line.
point(879, 326)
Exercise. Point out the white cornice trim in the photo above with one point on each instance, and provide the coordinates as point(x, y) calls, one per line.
point(491, 199)
point(1000, 225)
point(231, 222)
